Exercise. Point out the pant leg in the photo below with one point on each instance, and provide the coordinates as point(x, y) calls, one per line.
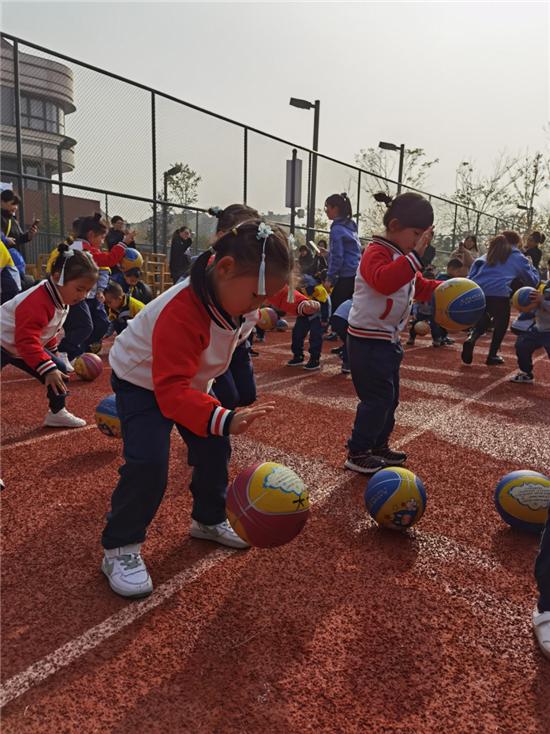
point(100, 321)
point(526, 344)
point(315, 337)
point(78, 328)
point(482, 325)
point(542, 569)
point(56, 402)
point(299, 333)
point(242, 372)
point(343, 289)
point(209, 458)
point(374, 366)
point(144, 475)
point(499, 309)
point(384, 436)
point(226, 391)
point(340, 326)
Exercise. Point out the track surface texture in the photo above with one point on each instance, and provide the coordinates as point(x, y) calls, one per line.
point(347, 629)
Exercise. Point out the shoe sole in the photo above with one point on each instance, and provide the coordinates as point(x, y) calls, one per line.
point(141, 595)
point(56, 425)
point(199, 536)
point(345, 372)
point(360, 470)
point(298, 364)
point(312, 369)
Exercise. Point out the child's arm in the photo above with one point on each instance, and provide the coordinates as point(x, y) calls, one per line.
point(424, 287)
point(30, 322)
point(301, 306)
point(109, 259)
point(335, 256)
point(528, 272)
point(386, 275)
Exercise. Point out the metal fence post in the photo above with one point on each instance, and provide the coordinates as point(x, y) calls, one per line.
point(154, 161)
point(293, 192)
point(60, 193)
point(477, 224)
point(18, 136)
point(357, 216)
point(310, 216)
point(245, 175)
point(454, 224)
point(496, 226)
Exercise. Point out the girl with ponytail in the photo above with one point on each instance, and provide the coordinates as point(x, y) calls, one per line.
point(344, 249)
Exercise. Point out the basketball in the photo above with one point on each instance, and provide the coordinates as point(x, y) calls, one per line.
point(422, 328)
point(106, 417)
point(268, 319)
point(132, 259)
point(395, 498)
point(282, 325)
point(267, 505)
point(458, 303)
point(522, 299)
point(88, 366)
point(522, 499)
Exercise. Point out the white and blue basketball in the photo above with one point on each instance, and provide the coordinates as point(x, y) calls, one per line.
point(522, 499)
point(106, 417)
point(458, 304)
point(395, 498)
point(522, 299)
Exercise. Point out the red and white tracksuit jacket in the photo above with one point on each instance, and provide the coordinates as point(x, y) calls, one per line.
point(104, 261)
point(386, 284)
point(30, 323)
point(177, 345)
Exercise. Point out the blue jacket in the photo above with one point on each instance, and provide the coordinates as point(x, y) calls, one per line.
point(345, 250)
point(495, 280)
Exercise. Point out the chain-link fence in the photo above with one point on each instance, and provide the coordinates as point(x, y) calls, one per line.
point(77, 139)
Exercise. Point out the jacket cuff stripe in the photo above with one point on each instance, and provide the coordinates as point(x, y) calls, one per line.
point(218, 421)
point(46, 367)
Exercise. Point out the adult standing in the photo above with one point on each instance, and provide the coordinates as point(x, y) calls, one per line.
point(118, 232)
point(10, 225)
point(345, 249)
point(494, 274)
point(305, 260)
point(533, 247)
point(467, 251)
point(179, 259)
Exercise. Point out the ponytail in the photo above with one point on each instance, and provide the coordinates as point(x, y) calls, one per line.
point(77, 264)
point(342, 203)
point(410, 209)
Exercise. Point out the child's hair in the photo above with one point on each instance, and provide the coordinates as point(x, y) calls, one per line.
point(114, 290)
point(242, 244)
point(9, 197)
point(514, 238)
point(342, 203)
point(471, 237)
point(94, 224)
point(116, 219)
point(232, 215)
point(410, 210)
point(499, 249)
point(455, 263)
point(132, 273)
point(322, 243)
point(537, 237)
point(78, 265)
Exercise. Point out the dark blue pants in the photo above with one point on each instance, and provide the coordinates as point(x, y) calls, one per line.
point(143, 477)
point(542, 569)
point(497, 313)
point(302, 328)
point(86, 323)
point(56, 402)
point(527, 343)
point(340, 326)
point(237, 387)
point(375, 371)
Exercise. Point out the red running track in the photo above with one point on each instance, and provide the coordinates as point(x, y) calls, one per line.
point(347, 629)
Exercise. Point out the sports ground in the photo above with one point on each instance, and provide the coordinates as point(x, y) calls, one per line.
point(347, 629)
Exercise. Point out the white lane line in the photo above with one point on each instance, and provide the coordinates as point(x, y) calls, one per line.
point(18, 379)
point(47, 436)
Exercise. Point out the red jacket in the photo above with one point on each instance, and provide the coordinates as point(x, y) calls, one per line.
point(101, 258)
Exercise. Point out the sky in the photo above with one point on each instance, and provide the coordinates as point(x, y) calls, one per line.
point(464, 81)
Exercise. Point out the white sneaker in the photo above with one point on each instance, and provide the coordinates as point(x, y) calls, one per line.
point(63, 419)
point(221, 533)
point(126, 571)
point(64, 357)
point(541, 627)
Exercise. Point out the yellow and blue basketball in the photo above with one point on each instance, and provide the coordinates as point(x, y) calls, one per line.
point(268, 319)
point(458, 303)
point(395, 498)
point(522, 299)
point(132, 259)
point(522, 499)
point(106, 417)
point(267, 505)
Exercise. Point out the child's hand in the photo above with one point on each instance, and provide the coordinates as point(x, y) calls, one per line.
point(310, 307)
point(423, 241)
point(536, 297)
point(129, 237)
point(55, 380)
point(245, 417)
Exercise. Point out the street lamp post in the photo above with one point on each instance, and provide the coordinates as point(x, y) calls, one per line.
point(166, 175)
point(401, 149)
point(530, 212)
point(305, 105)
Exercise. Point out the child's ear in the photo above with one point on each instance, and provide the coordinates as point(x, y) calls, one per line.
point(393, 225)
point(225, 267)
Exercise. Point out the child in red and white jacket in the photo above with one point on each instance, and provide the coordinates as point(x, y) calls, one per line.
point(164, 365)
point(388, 280)
point(31, 321)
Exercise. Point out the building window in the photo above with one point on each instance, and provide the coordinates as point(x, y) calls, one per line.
point(38, 114)
point(33, 169)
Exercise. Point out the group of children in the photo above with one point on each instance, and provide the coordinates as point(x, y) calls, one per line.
point(183, 359)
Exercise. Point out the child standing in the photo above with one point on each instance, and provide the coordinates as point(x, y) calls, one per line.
point(309, 325)
point(535, 337)
point(164, 364)
point(31, 321)
point(345, 249)
point(387, 281)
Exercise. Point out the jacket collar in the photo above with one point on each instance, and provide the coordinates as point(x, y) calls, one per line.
point(216, 312)
point(54, 294)
point(378, 240)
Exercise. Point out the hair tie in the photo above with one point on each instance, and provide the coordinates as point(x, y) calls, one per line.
point(66, 255)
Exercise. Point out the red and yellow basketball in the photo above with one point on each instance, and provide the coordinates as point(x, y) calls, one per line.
point(267, 505)
point(88, 366)
point(268, 319)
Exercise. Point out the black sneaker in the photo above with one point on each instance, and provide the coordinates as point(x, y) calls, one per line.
point(447, 341)
point(295, 362)
point(497, 359)
point(523, 377)
point(253, 353)
point(410, 342)
point(312, 365)
point(330, 337)
point(337, 350)
point(468, 351)
point(392, 458)
point(437, 343)
point(365, 463)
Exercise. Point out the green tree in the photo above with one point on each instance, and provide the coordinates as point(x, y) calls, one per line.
point(182, 186)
